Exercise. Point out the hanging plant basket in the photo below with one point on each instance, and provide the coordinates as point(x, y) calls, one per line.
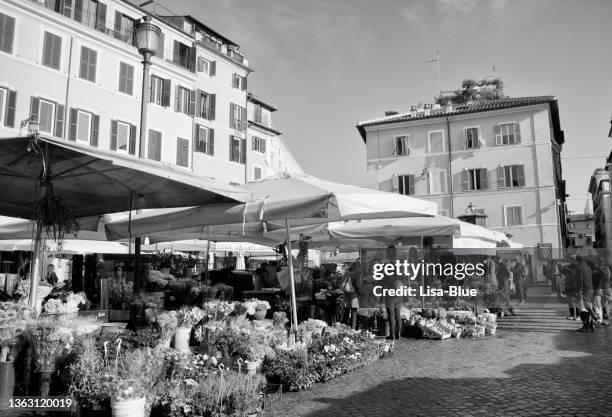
point(53, 218)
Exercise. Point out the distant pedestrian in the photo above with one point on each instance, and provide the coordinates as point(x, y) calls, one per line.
point(393, 304)
point(585, 290)
point(351, 288)
point(569, 272)
point(606, 285)
point(520, 280)
point(597, 276)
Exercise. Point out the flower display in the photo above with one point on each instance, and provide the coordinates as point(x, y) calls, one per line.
point(217, 310)
point(254, 304)
point(70, 305)
point(11, 312)
point(189, 316)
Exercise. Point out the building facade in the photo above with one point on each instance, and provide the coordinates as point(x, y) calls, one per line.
point(74, 66)
point(599, 187)
point(498, 158)
point(580, 231)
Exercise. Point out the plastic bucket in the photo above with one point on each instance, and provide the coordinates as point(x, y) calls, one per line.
point(181, 338)
point(129, 408)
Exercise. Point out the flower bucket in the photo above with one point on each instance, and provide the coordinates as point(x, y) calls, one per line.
point(181, 338)
point(129, 408)
point(7, 381)
point(251, 366)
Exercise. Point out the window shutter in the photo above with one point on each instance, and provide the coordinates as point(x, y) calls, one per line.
point(411, 184)
point(113, 142)
point(481, 143)
point(176, 55)
point(65, 7)
point(9, 116)
point(153, 89)
point(151, 153)
point(501, 177)
point(95, 127)
point(118, 18)
point(394, 182)
point(198, 104)
point(212, 102)
point(395, 149)
point(179, 152)
point(243, 151)
point(253, 143)
point(517, 133)
point(167, 86)
point(405, 149)
point(213, 68)
point(484, 180)
point(498, 135)
point(244, 83)
point(160, 46)
point(59, 121)
point(243, 124)
point(7, 29)
point(231, 148)
point(232, 111)
point(210, 149)
point(132, 146)
point(192, 58)
point(158, 144)
point(192, 104)
point(263, 144)
point(200, 64)
point(73, 125)
point(177, 98)
point(235, 80)
point(465, 138)
point(34, 105)
point(507, 214)
point(465, 180)
point(78, 10)
point(101, 17)
point(520, 175)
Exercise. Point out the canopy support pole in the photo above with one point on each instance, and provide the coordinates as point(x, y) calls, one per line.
point(206, 262)
point(294, 318)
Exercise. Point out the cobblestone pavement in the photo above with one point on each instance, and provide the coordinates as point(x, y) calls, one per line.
point(537, 365)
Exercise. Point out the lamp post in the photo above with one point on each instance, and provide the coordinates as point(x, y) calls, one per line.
point(147, 40)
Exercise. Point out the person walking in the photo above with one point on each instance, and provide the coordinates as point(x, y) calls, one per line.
point(597, 276)
point(518, 272)
point(351, 288)
point(393, 304)
point(606, 288)
point(585, 290)
point(570, 288)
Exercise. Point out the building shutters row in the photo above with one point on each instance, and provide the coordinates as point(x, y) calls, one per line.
point(131, 140)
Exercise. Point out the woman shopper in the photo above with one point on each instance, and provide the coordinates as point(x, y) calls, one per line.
point(393, 304)
point(597, 276)
point(518, 271)
point(351, 288)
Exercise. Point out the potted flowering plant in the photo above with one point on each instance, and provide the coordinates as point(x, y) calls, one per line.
point(128, 378)
point(217, 310)
point(186, 317)
point(165, 323)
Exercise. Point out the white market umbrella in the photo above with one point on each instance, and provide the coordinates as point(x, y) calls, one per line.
point(295, 199)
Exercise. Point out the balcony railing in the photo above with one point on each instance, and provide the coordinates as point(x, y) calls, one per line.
point(218, 46)
point(89, 18)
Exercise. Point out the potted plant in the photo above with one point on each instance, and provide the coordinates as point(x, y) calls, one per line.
point(128, 378)
point(187, 317)
point(255, 355)
point(164, 261)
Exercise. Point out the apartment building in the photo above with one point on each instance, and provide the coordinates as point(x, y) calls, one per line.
point(498, 158)
point(580, 230)
point(74, 66)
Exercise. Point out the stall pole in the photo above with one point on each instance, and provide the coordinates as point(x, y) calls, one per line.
point(294, 318)
point(207, 254)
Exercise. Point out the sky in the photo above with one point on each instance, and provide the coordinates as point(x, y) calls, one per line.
point(327, 64)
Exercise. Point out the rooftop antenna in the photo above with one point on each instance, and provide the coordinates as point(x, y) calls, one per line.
point(437, 62)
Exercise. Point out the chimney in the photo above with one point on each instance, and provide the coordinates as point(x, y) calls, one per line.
point(391, 113)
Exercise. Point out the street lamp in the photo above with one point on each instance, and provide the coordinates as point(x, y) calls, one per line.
point(147, 41)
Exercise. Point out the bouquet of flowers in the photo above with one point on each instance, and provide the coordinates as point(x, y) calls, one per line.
point(71, 305)
point(312, 325)
point(217, 310)
point(167, 323)
point(189, 316)
point(120, 291)
point(254, 305)
point(11, 312)
point(49, 341)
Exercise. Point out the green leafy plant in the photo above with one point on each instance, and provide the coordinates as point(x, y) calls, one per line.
point(52, 217)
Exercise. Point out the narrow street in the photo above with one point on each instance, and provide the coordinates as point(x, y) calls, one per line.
point(536, 365)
